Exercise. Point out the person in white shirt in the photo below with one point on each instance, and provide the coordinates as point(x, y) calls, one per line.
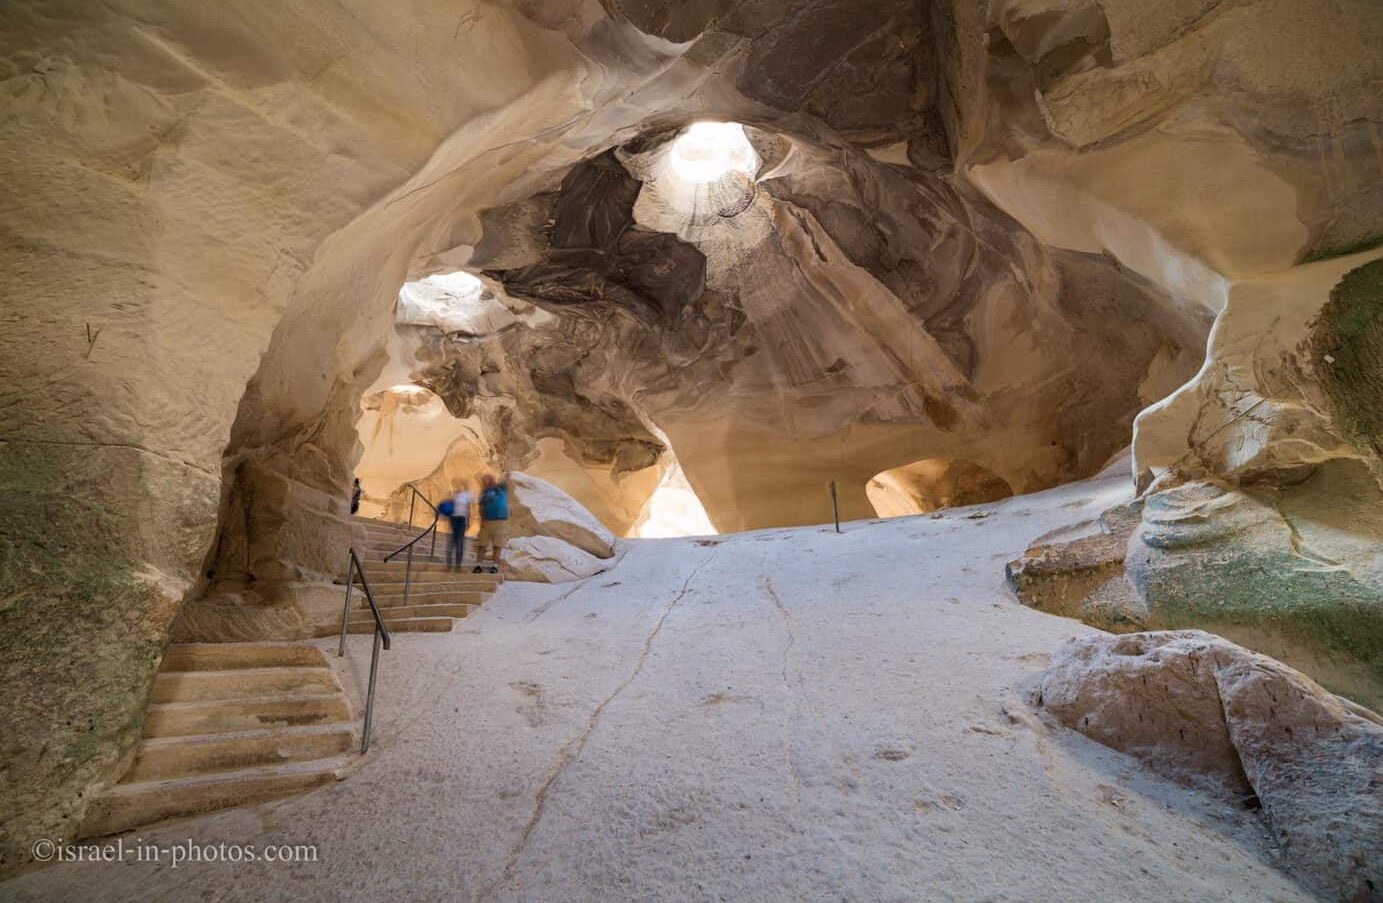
point(460, 517)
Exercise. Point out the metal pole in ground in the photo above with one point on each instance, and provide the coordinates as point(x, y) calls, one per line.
point(346, 615)
point(835, 506)
point(370, 696)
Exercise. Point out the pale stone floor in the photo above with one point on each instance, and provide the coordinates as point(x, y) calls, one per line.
point(783, 715)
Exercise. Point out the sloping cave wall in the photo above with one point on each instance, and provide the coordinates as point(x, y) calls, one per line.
point(219, 202)
point(1228, 152)
point(213, 198)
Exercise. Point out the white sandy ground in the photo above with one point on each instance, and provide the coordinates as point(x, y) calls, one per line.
point(782, 715)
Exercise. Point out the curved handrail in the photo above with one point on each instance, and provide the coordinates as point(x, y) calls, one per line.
point(353, 565)
point(408, 546)
point(353, 568)
point(432, 528)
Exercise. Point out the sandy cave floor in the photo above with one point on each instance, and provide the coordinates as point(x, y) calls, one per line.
point(779, 715)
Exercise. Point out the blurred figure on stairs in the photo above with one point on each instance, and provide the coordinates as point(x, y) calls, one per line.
point(494, 520)
point(458, 512)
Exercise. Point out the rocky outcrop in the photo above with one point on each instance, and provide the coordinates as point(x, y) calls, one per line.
point(1078, 572)
point(1190, 144)
point(554, 539)
point(1261, 517)
point(1237, 561)
point(545, 559)
point(1205, 711)
point(537, 508)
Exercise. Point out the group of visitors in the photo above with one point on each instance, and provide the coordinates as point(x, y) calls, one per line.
point(494, 521)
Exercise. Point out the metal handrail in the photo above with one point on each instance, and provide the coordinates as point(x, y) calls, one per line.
point(408, 546)
point(381, 638)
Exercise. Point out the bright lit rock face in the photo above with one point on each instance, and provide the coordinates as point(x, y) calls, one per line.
point(985, 233)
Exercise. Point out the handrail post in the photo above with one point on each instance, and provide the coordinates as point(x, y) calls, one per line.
point(408, 576)
point(381, 641)
point(346, 613)
point(835, 506)
point(370, 696)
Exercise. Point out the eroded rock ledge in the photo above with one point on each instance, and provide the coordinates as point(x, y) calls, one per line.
point(1205, 711)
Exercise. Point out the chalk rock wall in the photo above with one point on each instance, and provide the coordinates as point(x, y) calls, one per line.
point(1229, 153)
point(1265, 514)
point(1264, 486)
point(212, 211)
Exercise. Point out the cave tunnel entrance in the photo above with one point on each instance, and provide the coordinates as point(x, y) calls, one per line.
point(451, 404)
point(932, 483)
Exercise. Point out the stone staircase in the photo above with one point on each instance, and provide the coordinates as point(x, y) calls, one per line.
point(438, 596)
point(230, 724)
point(384, 536)
point(236, 723)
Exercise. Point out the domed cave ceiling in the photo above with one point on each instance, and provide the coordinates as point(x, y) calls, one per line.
point(827, 316)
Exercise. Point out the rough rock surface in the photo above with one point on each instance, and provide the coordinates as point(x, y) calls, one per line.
point(195, 182)
point(1196, 706)
point(537, 508)
point(1078, 572)
point(1264, 486)
point(1194, 141)
point(546, 559)
point(1264, 516)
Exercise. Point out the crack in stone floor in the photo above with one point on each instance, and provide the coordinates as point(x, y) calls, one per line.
point(572, 750)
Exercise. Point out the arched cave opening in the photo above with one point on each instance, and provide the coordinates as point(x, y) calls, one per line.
point(924, 486)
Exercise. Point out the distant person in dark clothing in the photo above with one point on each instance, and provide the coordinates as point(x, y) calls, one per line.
point(494, 520)
point(356, 493)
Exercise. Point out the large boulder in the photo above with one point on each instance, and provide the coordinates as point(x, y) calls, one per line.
point(539, 509)
point(544, 559)
point(1200, 709)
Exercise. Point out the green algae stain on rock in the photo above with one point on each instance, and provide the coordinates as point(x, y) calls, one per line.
point(1347, 343)
point(81, 633)
point(1212, 555)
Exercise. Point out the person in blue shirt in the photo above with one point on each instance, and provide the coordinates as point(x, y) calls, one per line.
point(494, 520)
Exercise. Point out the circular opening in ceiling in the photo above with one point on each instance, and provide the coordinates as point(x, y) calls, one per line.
point(456, 302)
point(410, 395)
point(708, 151)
